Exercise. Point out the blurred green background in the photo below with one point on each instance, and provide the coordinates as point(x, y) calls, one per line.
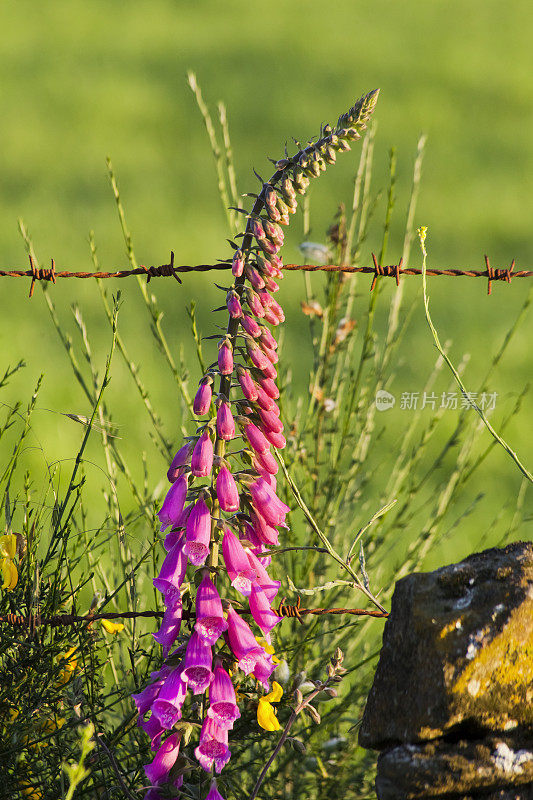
point(82, 81)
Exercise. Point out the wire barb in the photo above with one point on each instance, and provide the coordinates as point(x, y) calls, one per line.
point(393, 270)
point(41, 274)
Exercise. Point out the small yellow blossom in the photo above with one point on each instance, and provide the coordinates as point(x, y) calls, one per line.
point(269, 650)
point(8, 549)
point(70, 665)
point(266, 716)
point(112, 627)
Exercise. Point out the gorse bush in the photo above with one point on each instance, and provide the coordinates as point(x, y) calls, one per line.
point(228, 684)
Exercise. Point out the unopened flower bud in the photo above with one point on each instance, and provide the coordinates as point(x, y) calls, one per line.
point(237, 265)
point(254, 277)
point(257, 229)
point(202, 399)
point(234, 305)
point(270, 196)
point(225, 357)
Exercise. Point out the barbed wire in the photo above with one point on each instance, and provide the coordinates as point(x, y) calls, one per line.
point(34, 621)
point(395, 271)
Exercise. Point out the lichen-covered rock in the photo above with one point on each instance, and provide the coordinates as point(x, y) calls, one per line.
point(455, 769)
point(457, 651)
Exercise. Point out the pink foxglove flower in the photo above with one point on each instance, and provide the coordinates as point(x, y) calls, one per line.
point(257, 439)
point(237, 564)
point(265, 462)
point(257, 356)
point(167, 706)
point(173, 503)
point(210, 622)
point(172, 574)
point(213, 750)
point(268, 385)
point(223, 707)
point(267, 503)
point(227, 491)
point(174, 535)
point(164, 760)
point(170, 628)
point(196, 666)
point(254, 277)
point(202, 456)
point(261, 610)
point(202, 399)
point(265, 532)
point(269, 586)
point(198, 533)
point(254, 302)
point(225, 422)
point(250, 655)
point(225, 358)
point(237, 265)
point(249, 388)
point(181, 459)
point(143, 700)
point(154, 730)
point(234, 305)
point(213, 793)
point(251, 326)
point(270, 420)
point(276, 439)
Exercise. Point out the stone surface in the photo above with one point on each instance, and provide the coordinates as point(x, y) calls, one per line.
point(457, 652)
point(454, 769)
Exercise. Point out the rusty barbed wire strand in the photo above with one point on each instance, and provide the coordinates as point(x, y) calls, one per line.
point(35, 620)
point(171, 270)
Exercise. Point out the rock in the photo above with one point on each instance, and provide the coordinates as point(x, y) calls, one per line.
point(442, 768)
point(457, 652)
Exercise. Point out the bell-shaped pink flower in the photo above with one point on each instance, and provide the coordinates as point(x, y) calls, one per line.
point(254, 302)
point(225, 422)
point(264, 399)
point(167, 707)
point(269, 370)
point(198, 533)
point(237, 564)
point(234, 305)
point(196, 666)
point(223, 707)
point(251, 326)
point(171, 575)
point(144, 699)
point(181, 459)
point(237, 264)
point(261, 610)
point(276, 439)
point(265, 462)
point(267, 503)
point(153, 729)
point(269, 586)
point(213, 793)
point(257, 357)
point(173, 503)
point(225, 358)
point(164, 759)
point(210, 622)
point(212, 750)
point(248, 386)
point(202, 456)
point(249, 654)
point(257, 439)
point(227, 491)
point(265, 532)
point(254, 276)
point(202, 399)
point(174, 535)
point(270, 420)
point(170, 628)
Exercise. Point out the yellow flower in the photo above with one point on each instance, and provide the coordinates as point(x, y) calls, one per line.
point(269, 650)
point(70, 665)
point(112, 627)
point(266, 716)
point(8, 549)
